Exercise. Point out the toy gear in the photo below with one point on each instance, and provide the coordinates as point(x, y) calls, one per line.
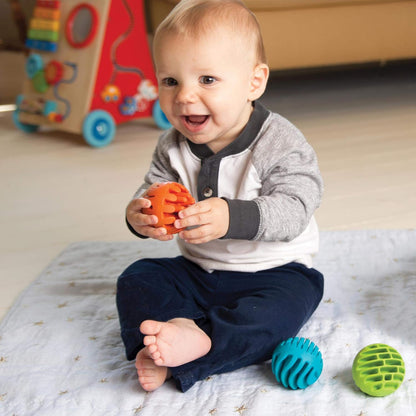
point(167, 200)
point(378, 370)
point(297, 363)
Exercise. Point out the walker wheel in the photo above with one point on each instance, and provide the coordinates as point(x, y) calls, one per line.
point(27, 128)
point(99, 128)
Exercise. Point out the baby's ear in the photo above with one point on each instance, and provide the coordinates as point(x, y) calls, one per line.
point(258, 82)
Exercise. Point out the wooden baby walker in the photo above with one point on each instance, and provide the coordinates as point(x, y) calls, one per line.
point(89, 69)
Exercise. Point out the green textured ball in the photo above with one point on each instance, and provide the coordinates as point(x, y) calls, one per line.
point(378, 370)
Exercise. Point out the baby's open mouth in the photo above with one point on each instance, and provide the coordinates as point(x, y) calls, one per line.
point(195, 123)
point(196, 120)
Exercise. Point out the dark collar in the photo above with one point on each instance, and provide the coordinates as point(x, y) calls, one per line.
point(242, 142)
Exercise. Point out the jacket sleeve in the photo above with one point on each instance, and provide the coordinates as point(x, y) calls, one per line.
point(160, 169)
point(291, 186)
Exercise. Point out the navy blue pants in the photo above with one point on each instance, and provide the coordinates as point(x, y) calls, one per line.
point(246, 315)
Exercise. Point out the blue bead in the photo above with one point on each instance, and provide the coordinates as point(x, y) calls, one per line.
point(34, 64)
point(41, 45)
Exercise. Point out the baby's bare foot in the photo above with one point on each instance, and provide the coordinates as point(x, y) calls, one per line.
point(150, 375)
point(176, 342)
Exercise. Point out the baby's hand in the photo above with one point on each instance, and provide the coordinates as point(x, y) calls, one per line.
point(142, 223)
point(211, 217)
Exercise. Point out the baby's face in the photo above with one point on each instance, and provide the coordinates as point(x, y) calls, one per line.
point(205, 86)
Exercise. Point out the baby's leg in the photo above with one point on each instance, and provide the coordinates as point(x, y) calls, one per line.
point(260, 311)
point(176, 342)
point(157, 289)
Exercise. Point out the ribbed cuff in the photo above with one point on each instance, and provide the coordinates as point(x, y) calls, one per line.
point(134, 231)
point(244, 219)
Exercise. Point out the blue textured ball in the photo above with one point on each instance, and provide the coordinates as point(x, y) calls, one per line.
point(297, 363)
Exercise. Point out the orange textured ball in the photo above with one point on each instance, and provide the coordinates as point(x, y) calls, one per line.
point(167, 200)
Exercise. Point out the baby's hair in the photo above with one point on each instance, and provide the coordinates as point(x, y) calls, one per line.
point(196, 17)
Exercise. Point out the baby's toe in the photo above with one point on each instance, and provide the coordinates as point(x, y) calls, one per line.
point(159, 362)
point(155, 355)
point(152, 349)
point(149, 340)
point(150, 327)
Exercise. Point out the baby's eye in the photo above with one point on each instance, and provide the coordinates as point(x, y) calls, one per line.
point(169, 82)
point(207, 80)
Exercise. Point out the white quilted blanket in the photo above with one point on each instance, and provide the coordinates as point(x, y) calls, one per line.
point(61, 354)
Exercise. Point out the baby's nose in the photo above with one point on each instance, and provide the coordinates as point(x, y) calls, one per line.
point(186, 94)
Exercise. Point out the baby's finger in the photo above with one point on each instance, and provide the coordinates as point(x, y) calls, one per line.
point(197, 235)
point(193, 220)
point(138, 204)
point(159, 233)
point(198, 214)
point(138, 219)
point(195, 209)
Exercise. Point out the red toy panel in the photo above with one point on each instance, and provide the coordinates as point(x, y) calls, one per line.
point(125, 84)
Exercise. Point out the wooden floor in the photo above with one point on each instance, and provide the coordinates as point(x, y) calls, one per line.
point(56, 190)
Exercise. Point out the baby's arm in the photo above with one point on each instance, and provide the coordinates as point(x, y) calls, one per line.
point(291, 186)
point(159, 171)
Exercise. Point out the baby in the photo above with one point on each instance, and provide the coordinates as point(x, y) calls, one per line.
point(244, 281)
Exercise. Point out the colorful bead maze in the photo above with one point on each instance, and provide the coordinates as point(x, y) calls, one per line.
point(89, 69)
